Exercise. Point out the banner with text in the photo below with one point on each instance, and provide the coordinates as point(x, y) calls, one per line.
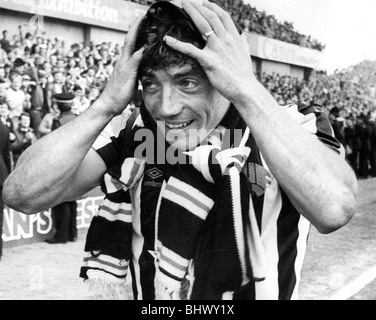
point(19, 228)
point(275, 50)
point(113, 14)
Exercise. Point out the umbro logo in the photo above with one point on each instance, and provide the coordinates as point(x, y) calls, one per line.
point(154, 173)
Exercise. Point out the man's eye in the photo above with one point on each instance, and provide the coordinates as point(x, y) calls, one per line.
point(149, 85)
point(189, 84)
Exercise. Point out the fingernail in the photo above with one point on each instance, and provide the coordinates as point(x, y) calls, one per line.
point(169, 40)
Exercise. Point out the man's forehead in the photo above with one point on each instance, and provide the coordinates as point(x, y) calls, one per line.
point(176, 70)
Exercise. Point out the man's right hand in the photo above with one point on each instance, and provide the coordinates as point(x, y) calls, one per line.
point(122, 83)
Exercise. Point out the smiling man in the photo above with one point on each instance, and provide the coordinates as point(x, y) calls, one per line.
point(230, 218)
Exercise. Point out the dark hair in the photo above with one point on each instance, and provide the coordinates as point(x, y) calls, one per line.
point(34, 48)
point(76, 87)
point(24, 114)
point(165, 19)
point(19, 62)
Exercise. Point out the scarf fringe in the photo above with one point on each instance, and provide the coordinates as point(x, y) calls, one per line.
point(164, 293)
point(176, 290)
point(104, 286)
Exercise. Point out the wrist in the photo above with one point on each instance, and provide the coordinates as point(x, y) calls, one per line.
point(107, 106)
point(254, 95)
point(114, 103)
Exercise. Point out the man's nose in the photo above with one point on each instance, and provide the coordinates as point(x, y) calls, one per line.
point(169, 104)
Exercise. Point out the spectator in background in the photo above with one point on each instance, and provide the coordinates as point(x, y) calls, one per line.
point(349, 137)
point(93, 94)
point(25, 137)
point(2, 74)
point(89, 76)
point(47, 68)
point(15, 96)
point(3, 57)
point(365, 147)
point(28, 40)
point(5, 119)
point(80, 102)
point(39, 104)
point(337, 125)
point(58, 86)
point(5, 169)
point(4, 85)
point(17, 48)
point(18, 67)
point(5, 43)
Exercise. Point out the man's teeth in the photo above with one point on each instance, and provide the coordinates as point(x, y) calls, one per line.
point(179, 125)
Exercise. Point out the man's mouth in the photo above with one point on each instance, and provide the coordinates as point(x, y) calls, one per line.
point(180, 125)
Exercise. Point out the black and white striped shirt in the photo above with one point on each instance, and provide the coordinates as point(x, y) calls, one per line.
point(284, 231)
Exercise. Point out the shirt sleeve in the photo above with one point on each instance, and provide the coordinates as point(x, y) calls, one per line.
point(110, 143)
point(324, 130)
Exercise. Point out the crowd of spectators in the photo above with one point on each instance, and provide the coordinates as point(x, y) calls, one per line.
point(35, 67)
point(253, 20)
point(349, 97)
point(351, 90)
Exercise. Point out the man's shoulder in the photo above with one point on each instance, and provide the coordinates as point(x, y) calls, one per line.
point(117, 129)
point(120, 122)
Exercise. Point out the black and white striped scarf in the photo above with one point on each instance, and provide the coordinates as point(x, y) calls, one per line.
point(208, 243)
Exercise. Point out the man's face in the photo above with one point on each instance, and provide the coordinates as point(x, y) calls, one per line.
point(25, 122)
point(53, 59)
point(60, 63)
point(17, 83)
point(47, 67)
point(78, 93)
point(91, 72)
point(20, 69)
point(182, 101)
point(58, 77)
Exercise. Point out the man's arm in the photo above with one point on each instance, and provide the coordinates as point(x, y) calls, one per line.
point(61, 165)
point(318, 181)
point(57, 167)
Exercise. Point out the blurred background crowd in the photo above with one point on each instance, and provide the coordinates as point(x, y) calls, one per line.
point(35, 67)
